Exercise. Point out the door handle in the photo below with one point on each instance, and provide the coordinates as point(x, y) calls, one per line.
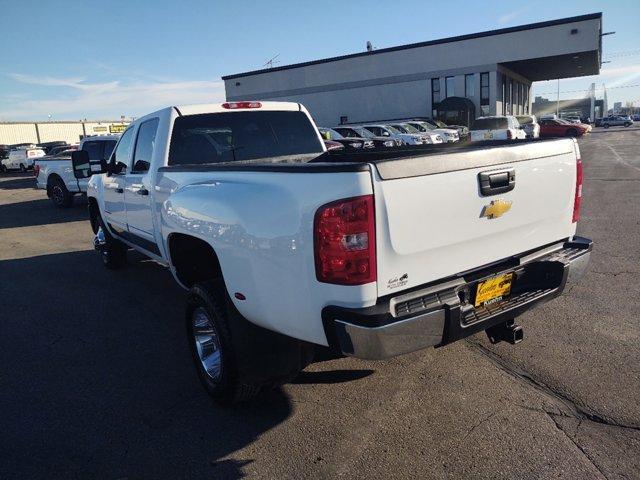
point(497, 181)
point(142, 191)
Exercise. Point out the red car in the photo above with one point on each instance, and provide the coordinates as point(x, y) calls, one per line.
point(560, 128)
point(331, 145)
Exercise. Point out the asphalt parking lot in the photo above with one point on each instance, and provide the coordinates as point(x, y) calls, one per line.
point(96, 380)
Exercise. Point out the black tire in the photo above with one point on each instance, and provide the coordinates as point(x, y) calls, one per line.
point(3, 169)
point(59, 194)
point(113, 253)
point(627, 124)
point(252, 357)
point(572, 132)
point(23, 169)
point(606, 125)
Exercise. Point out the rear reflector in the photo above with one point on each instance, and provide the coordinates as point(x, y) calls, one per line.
point(345, 241)
point(236, 105)
point(578, 195)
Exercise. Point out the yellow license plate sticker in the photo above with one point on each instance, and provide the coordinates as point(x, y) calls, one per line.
point(493, 289)
point(488, 135)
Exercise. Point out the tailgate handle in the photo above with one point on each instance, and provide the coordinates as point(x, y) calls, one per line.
point(497, 181)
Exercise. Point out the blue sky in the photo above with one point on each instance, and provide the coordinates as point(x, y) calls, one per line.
point(81, 59)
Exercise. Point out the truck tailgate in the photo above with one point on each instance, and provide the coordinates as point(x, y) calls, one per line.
point(433, 221)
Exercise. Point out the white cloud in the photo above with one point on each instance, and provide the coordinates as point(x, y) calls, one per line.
point(107, 100)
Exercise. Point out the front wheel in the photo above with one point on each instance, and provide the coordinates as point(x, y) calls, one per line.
point(113, 252)
point(3, 168)
point(23, 169)
point(572, 132)
point(627, 124)
point(606, 125)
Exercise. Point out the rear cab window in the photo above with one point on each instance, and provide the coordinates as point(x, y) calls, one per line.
point(241, 136)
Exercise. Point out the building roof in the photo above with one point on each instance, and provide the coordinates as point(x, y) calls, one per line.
point(501, 31)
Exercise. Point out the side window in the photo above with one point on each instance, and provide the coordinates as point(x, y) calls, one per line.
point(122, 152)
point(144, 145)
point(94, 149)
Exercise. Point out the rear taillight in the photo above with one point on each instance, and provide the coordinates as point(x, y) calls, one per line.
point(509, 135)
point(345, 241)
point(578, 195)
point(235, 105)
point(36, 170)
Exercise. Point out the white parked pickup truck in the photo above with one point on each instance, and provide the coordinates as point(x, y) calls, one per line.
point(55, 173)
point(285, 248)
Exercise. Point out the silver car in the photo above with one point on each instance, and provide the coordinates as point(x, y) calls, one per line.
point(617, 121)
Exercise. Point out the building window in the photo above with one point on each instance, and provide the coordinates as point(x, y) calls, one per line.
point(435, 96)
point(484, 93)
point(449, 86)
point(469, 86)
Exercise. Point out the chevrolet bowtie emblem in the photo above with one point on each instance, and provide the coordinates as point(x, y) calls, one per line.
point(496, 208)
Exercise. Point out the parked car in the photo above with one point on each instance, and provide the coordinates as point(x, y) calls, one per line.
point(560, 128)
point(617, 121)
point(636, 117)
point(349, 131)
point(54, 173)
point(449, 135)
point(21, 158)
point(348, 143)
point(432, 138)
point(388, 131)
point(372, 260)
point(48, 146)
point(497, 128)
point(530, 125)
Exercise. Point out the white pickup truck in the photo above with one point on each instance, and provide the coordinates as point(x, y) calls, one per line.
point(285, 247)
point(55, 173)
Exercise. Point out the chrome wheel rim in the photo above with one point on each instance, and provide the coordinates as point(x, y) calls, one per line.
point(207, 343)
point(57, 194)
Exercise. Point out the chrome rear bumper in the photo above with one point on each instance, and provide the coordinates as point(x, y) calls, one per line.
point(443, 313)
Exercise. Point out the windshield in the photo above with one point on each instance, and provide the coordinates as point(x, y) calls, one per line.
point(394, 130)
point(363, 132)
point(400, 128)
point(410, 128)
point(228, 137)
point(496, 123)
point(524, 120)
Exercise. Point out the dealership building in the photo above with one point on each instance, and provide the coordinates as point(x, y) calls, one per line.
point(455, 79)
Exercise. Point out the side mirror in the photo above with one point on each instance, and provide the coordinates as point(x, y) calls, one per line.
point(81, 164)
point(141, 166)
point(116, 168)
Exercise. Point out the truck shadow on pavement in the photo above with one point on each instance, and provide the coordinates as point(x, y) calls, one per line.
point(40, 212)
point(97, 379)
